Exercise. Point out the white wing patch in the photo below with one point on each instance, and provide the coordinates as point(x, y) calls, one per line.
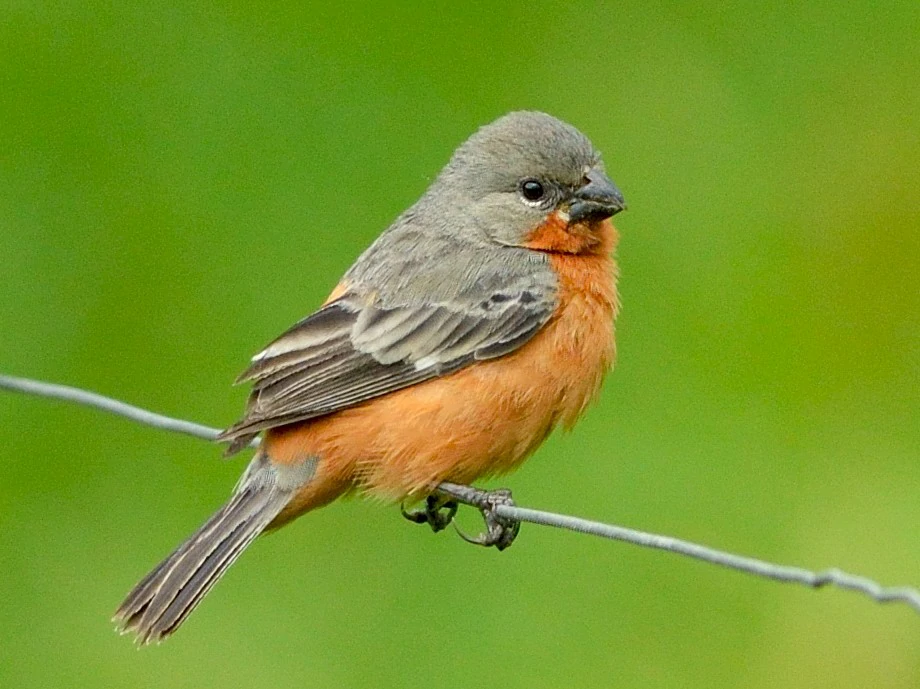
point(427, 362)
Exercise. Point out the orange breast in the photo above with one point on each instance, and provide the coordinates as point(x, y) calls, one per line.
point(484, 419)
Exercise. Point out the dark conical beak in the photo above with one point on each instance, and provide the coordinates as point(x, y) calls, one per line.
point(598, 199)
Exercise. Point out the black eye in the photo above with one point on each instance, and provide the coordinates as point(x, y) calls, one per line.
point(532, 190)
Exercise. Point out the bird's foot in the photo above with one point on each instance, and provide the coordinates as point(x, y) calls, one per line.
point(500, 531)
point(438, 512)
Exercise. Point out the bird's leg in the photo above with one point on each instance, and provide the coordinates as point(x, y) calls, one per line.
point(437, 513)
point(500, 531)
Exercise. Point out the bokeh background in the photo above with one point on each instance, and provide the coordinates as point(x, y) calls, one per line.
point(179, 182)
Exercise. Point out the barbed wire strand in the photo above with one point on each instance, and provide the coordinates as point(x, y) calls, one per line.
point(748, 565)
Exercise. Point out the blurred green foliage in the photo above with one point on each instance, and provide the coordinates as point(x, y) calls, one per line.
point(179, 182)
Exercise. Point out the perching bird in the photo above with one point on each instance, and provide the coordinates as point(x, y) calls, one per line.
point(482, 318)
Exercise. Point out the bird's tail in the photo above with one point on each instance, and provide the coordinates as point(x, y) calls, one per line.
point(164, 598)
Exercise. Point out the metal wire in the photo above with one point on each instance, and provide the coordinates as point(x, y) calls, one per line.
point(748, 565)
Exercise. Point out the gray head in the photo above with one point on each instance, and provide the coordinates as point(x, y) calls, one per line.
point(512, 174)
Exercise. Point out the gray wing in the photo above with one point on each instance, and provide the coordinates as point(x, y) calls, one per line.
point(353, 349)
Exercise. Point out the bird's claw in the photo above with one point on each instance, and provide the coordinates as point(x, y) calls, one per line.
point(437, 513)
point(441, 506)
point(500, 531)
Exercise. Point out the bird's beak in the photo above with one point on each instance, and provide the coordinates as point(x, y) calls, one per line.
point(598, 199)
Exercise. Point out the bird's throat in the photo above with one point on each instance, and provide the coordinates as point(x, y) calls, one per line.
point(558, 235)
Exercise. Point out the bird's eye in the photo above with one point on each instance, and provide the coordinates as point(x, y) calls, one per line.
point(532, 190)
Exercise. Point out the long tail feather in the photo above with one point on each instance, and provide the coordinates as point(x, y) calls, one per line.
point(164, 598)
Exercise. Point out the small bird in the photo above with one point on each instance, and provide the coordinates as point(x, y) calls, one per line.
point(480, 320)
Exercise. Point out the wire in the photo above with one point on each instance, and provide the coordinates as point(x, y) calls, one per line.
point(748, 565)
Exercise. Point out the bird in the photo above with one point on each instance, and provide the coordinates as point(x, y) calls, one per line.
point(479, 321)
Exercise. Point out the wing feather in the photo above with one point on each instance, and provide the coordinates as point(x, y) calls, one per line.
point(352, 351)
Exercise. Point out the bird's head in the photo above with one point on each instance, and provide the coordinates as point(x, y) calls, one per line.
point(530, 180)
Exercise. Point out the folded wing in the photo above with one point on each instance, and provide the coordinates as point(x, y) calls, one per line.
point(353, 350)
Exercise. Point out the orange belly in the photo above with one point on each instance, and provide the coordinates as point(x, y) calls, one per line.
point(482, 420)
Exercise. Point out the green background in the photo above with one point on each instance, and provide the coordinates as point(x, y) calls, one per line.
point(180, 183)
